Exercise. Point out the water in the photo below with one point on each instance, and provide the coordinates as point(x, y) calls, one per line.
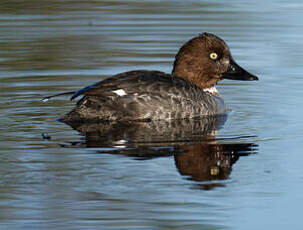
point(167, 175)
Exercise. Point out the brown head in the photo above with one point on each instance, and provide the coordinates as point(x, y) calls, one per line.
point(205, 60)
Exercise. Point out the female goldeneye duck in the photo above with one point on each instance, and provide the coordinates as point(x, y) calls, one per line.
point(142, 95)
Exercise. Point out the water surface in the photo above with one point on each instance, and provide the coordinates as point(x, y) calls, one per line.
point(167, 175)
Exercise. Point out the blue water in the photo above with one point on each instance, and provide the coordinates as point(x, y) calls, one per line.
point(166, 176)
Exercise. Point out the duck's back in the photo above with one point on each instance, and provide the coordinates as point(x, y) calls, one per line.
point(143, 95)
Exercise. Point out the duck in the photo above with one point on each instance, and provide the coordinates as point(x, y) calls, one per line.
point(189, 92)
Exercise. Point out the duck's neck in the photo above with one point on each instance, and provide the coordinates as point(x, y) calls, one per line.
point(212, 90)
point(201, 79)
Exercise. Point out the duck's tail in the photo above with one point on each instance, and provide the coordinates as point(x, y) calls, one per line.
point(73, 93)
point(45, 99)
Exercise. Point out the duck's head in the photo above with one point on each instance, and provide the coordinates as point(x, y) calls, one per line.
point(205, 60)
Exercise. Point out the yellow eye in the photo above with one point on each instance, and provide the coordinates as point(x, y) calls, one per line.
point(213, 56)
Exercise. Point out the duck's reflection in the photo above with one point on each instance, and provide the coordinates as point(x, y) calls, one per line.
point(154, 133)
point(198, 154)
point(210, 162)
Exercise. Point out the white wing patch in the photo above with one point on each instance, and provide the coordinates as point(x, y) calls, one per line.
point(120, 92)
